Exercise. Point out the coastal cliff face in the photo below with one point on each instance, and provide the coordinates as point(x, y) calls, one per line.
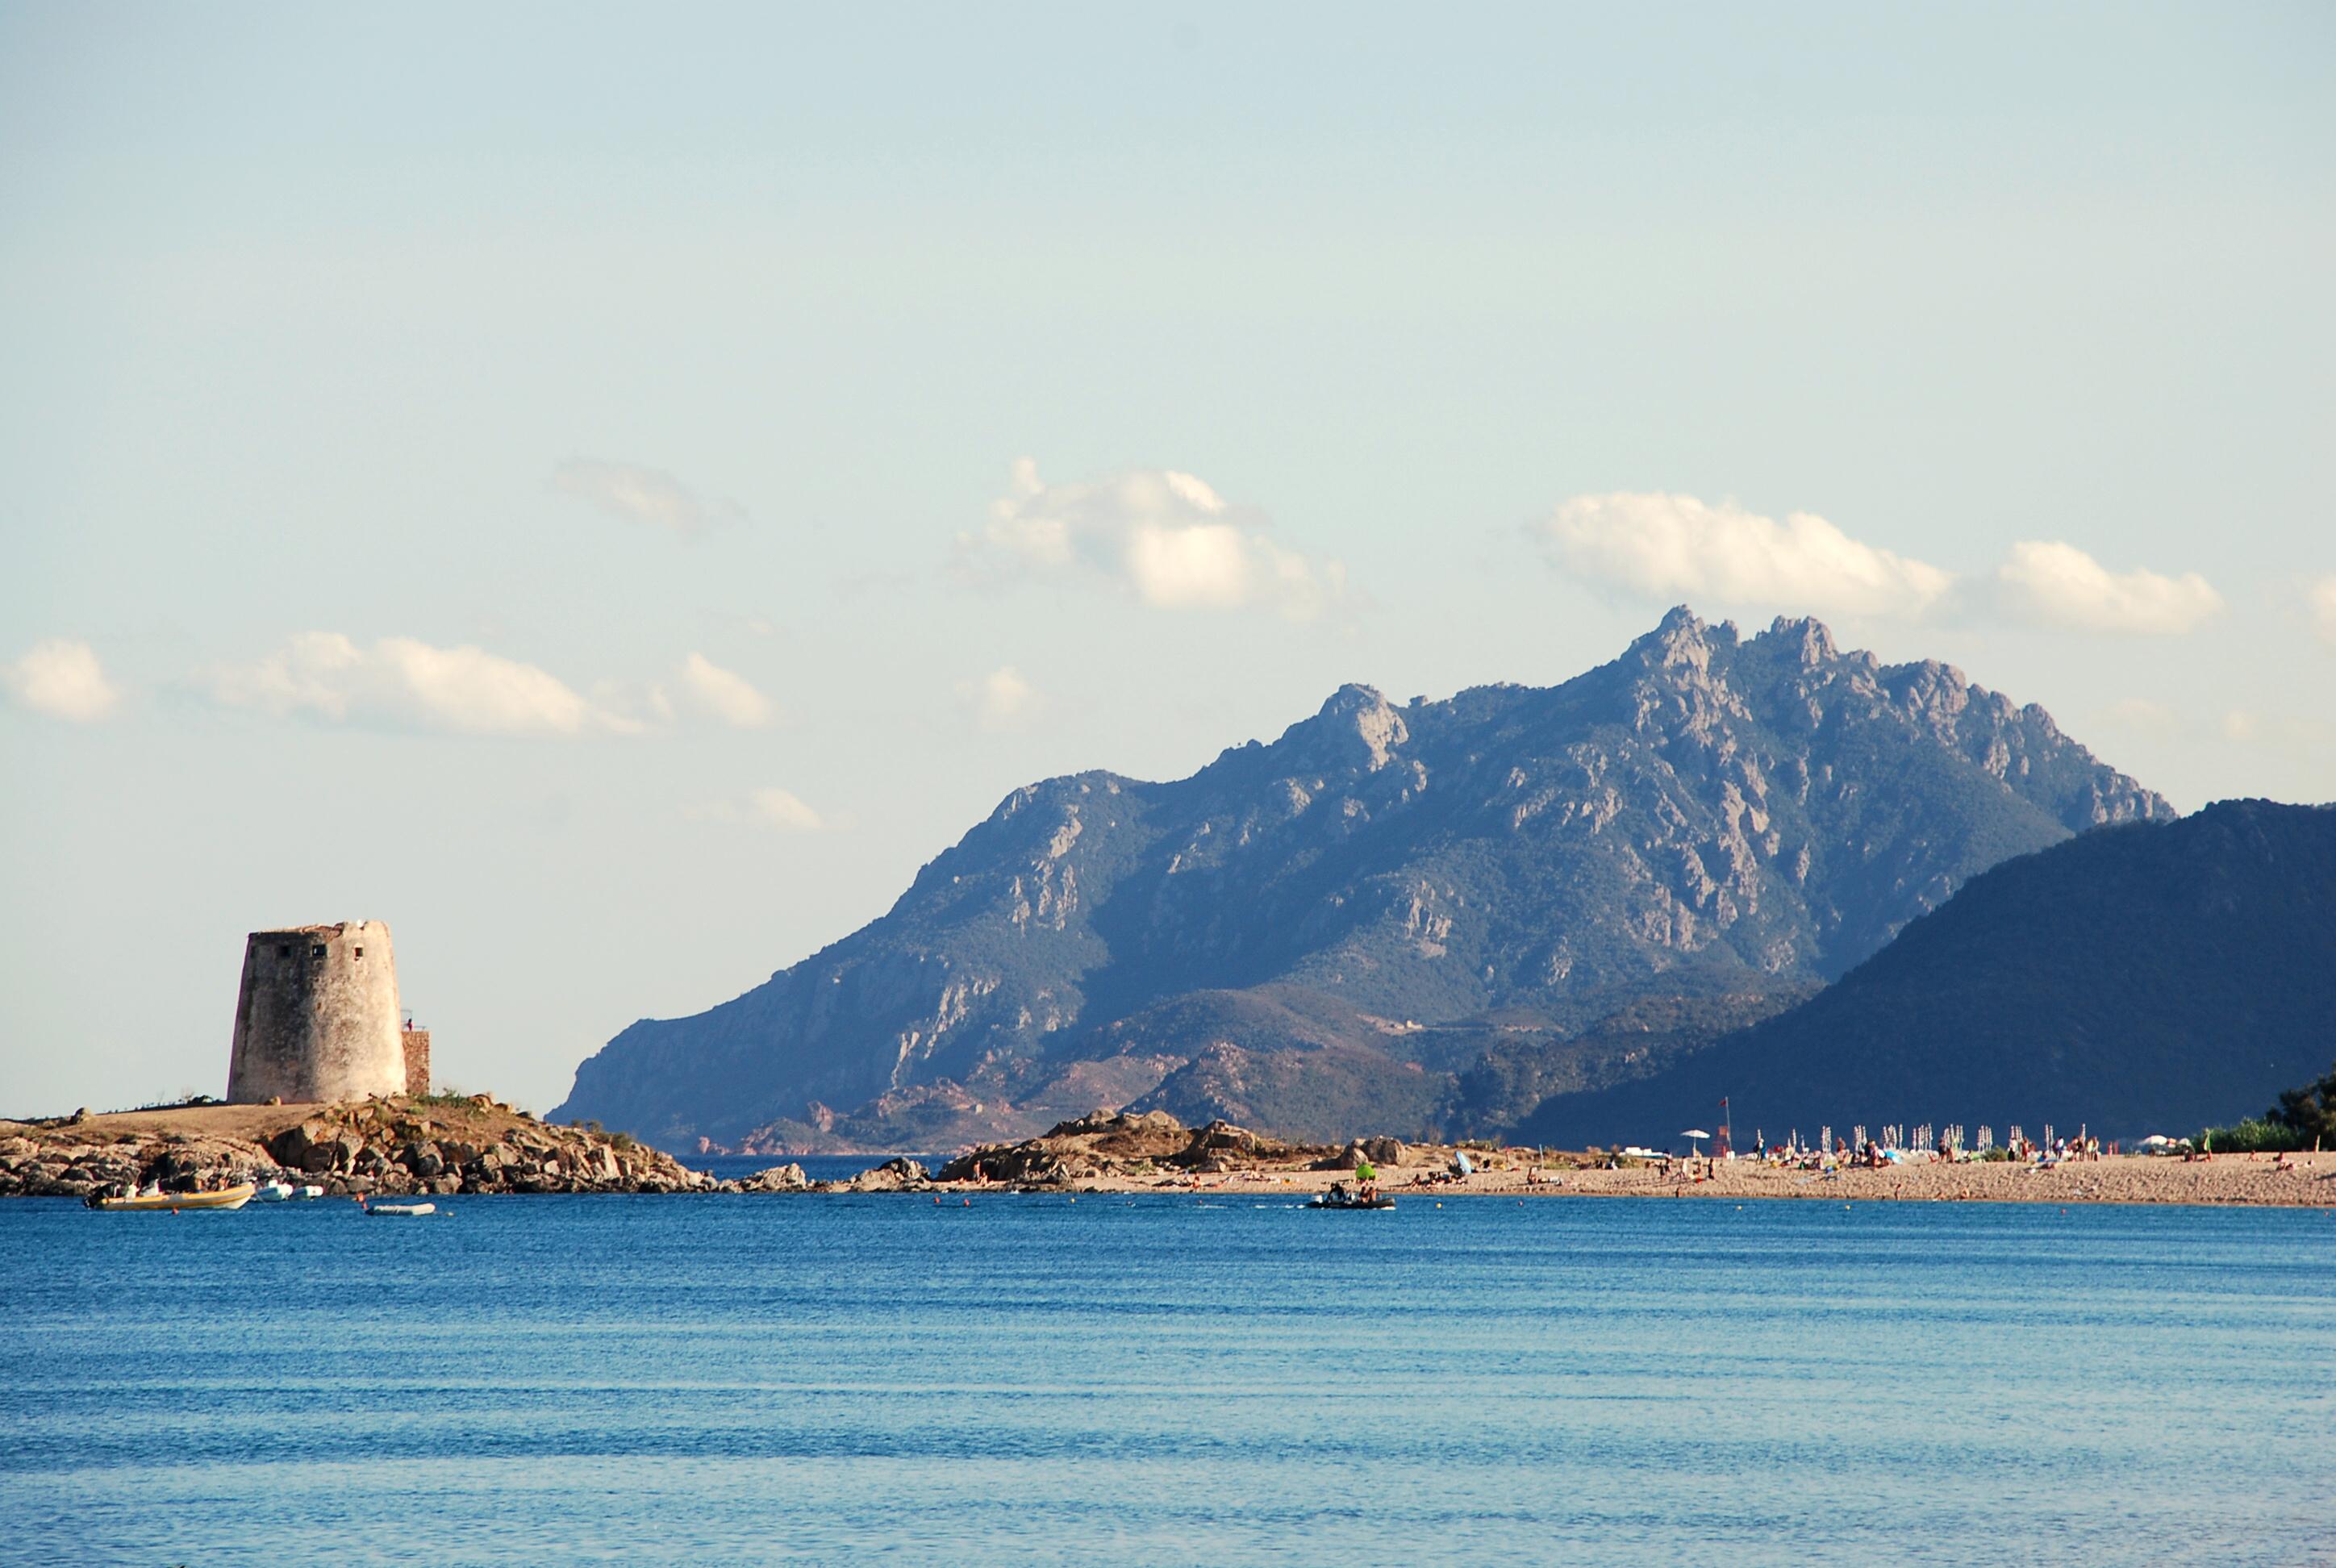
point(1389, 893)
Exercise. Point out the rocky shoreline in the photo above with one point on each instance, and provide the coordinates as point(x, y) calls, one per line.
point(392, 1146)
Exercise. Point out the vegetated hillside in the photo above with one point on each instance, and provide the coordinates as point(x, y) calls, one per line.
point(1707, 816)
point(2154, 976)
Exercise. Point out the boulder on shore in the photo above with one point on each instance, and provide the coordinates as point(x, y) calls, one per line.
point(1384, 1151)
point(891, 1177)
point(777, 1179)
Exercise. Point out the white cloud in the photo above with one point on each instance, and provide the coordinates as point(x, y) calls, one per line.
point(2321, 597)
point(781, 811)
point(1677, 546)
point(2297, 735)
point(2143, 717)
point(1001, 700)
point(399, 682)
point(777, 808)
point(1163, 536)
point(62, 679)
point(727, 694)
point(638, 494)
point(2058, 584)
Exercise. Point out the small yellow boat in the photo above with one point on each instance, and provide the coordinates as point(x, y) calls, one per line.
point(225, 1198)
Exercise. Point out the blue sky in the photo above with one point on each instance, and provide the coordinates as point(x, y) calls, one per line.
point(611, 491)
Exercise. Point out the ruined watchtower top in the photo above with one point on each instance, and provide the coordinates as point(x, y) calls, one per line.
point(316, 1016)
point(331, 929)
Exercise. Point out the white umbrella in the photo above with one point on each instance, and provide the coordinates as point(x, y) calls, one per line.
point(1695, 1132)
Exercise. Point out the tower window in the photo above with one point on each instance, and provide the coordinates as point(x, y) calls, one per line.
point(360, 953)
point(317, 951)
point(283, 950)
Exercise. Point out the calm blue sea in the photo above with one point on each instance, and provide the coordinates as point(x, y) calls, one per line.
point(1034, 1379)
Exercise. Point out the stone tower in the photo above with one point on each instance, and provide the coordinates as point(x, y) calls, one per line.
point(317, 1016)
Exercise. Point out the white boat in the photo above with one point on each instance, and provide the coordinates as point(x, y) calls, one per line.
point(272, 1192)
point(154, 1201)
point(400, 1210)
point(310, 1191)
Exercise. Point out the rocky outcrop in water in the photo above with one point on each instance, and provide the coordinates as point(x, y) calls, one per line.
point(893, 1175)
point(777, 1179)
point(1102, 1144)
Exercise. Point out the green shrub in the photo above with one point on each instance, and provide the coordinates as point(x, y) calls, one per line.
point(2255, 1136)
point(2304, 1118)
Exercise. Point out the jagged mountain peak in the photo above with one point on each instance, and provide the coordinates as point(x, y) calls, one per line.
point(1356, 727)
point(1680, 639)
point(1809, 639)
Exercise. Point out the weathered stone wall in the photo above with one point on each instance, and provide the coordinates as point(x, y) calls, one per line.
point(417, 1061)
point(317, 1017)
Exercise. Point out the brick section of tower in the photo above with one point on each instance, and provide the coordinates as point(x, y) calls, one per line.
point(417, 1060)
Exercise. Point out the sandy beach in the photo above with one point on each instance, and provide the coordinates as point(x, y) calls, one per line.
point(2307, 1181)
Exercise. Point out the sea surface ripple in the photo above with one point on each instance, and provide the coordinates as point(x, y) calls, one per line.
point(1157, 1379)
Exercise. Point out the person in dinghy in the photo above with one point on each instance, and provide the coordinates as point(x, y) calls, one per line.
point(1364, 1194)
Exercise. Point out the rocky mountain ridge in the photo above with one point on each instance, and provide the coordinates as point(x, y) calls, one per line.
point(1389, 893)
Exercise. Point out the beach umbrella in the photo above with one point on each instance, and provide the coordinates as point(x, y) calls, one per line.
point(1695, 1132)
point(1366, 1172)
